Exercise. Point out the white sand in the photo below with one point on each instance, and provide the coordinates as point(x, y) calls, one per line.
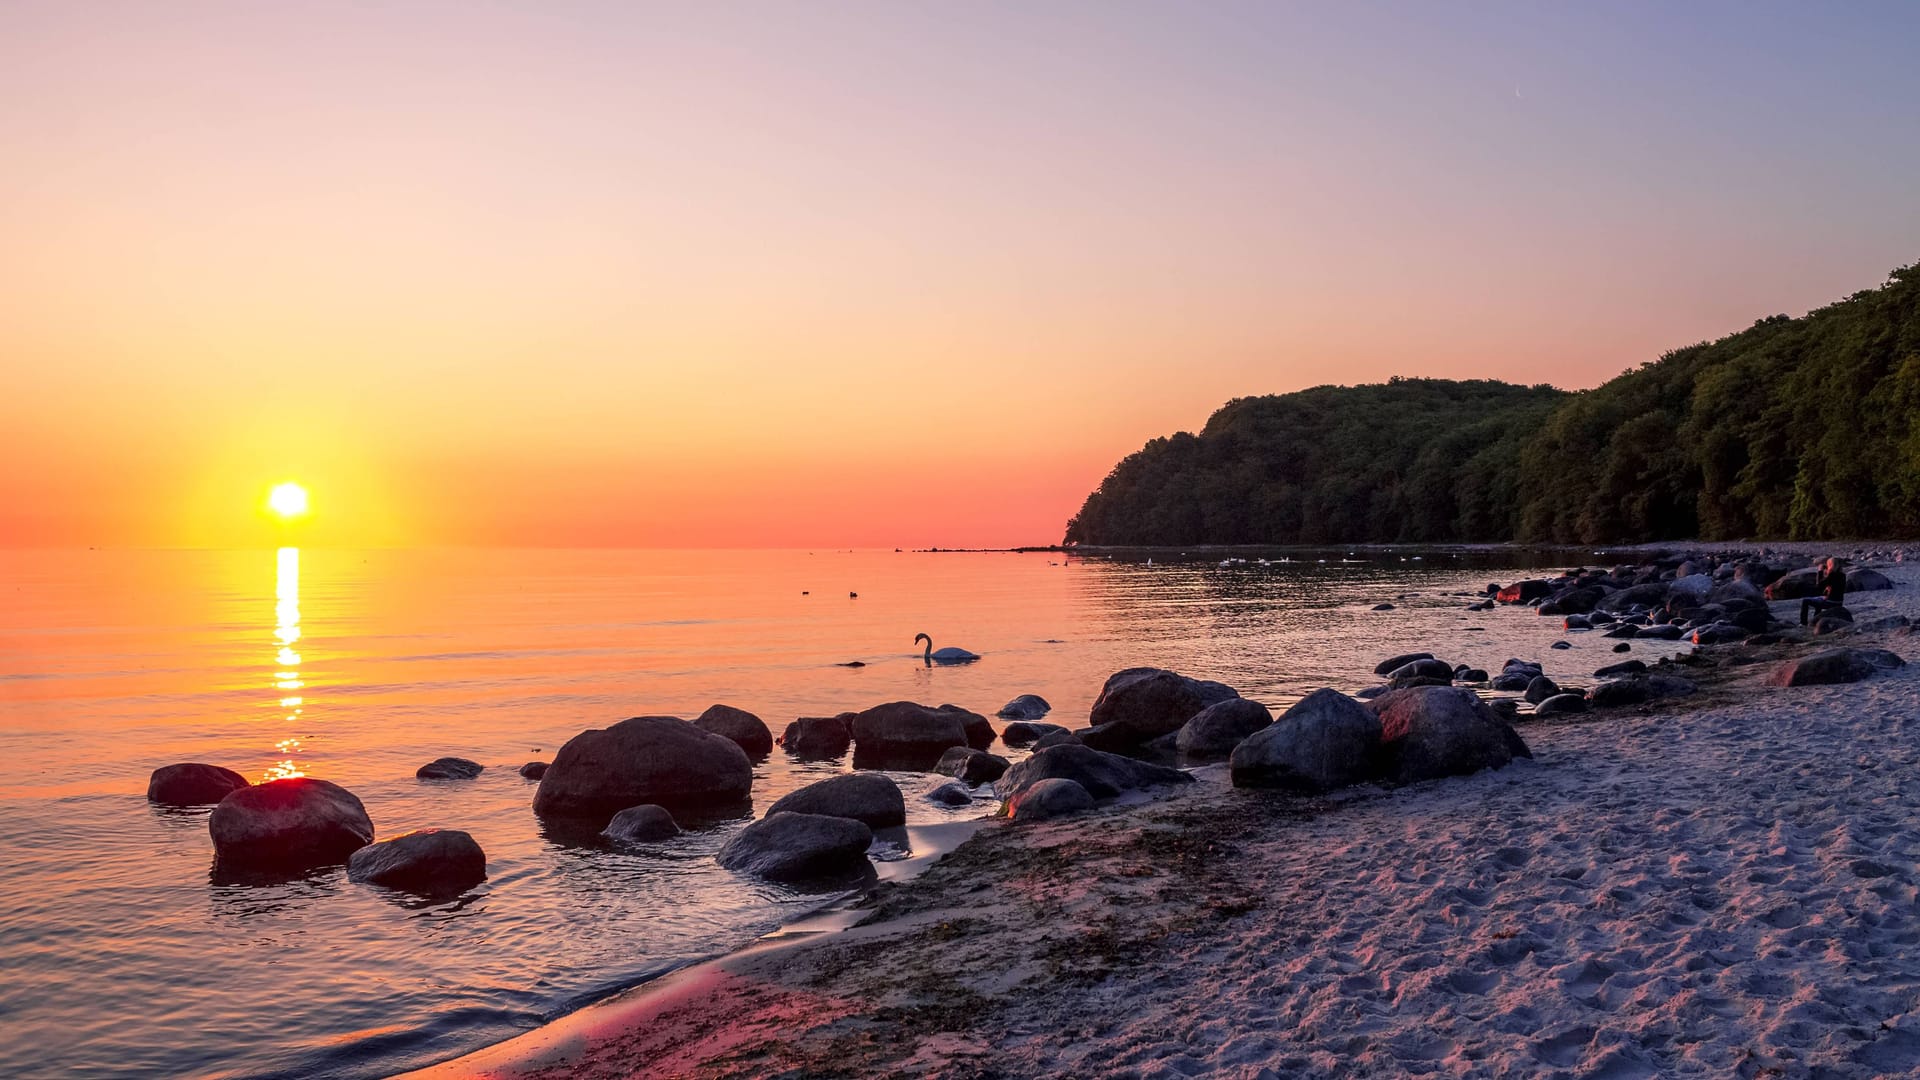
point(1726, 889)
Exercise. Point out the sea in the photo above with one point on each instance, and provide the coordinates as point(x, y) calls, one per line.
point(126, 956)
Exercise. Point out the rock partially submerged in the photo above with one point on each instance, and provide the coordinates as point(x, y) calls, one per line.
point(427, 861)
point(1217, 729)
point(971, 766)
point(642, 825)
point(953, 793)
point(1142, 704)
point(644, 759)
point(449, 768)
point(1021, 733)
point(1104, 775)
point(534, 770)
point(867, 797)
point(818, 736)
point(294, 823)
point(1834, 666)
point(1327, 740)
point(1026, 707)
point(748, 731)
point(191, 783)
point(906, 734)
point(1434, 731)
point(788, 846)
point(1044, 800)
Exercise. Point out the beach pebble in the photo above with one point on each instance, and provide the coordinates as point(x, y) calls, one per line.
point(429, 861)
point(534, 770)
point(644, 759)
point(191, 783)
point(971, 766)
point(1104, 775)
point(786, 846)
point(818, 736)
point(1327, 740)
point(1047, 799)
point(870, 798)
point(293, 823)
point(1220, 727)
point(952, 793)
point(1026, 707)
point(449, 768)
point(1434, 731)
point(1146, 703)
point(1834, 666)
point(747, 731)
point(642, 824)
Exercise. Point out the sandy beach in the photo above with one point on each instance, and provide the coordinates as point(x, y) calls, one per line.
point(1722, 885)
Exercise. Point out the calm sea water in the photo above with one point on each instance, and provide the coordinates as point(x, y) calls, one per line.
point(123, 957)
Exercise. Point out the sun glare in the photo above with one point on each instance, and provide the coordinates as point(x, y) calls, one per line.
point(287, 500)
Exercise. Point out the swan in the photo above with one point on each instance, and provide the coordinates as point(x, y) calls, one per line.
point(948, 655)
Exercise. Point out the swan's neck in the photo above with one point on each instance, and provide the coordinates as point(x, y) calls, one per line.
point(929, 653)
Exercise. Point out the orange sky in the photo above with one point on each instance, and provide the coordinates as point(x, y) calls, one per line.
point(608, 274)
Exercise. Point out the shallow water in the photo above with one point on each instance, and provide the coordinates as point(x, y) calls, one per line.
point(124, 957)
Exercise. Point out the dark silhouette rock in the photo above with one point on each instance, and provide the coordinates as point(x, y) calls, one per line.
point(1864, 580)
point(818, 736)
point(191, 783)
point(1643, 595)
point(1561, 705)
point(1624, 667)
point(644, 759)
point(951, 794)
point(970, 765)
point(1434, 731)
point(1044, 800)
point(1217, 729)
point(1720, 634)
point(905, 734)
point(1561, 645)
point(747, 731)
point(1659, 632)
point(1021, 732)
point(1469, 674)
point(1062, 737)
point(1540, 688)
point(1438, 670)
point(427, 861)
point(867, 797)
point(1795, 585)
point(1104, 775)
point(1834, 666)
point(1327, 740)
point(642, 825)
point(291, 824)
point(1025, 707)
point(1382, 607)
point(978, 728)
point(1620, 692)
point(449, 768)
point(1521, 592)
point(786, 846)
point(534, 770)
point(1150, 702)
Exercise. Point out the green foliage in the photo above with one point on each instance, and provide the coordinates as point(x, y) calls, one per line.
point(1802, 428)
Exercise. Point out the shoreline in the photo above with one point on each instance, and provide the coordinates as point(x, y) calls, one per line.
point(1043, 943)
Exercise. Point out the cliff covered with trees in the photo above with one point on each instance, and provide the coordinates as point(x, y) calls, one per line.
point(1804, 428)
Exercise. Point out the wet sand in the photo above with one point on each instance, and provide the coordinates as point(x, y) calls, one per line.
point(1722, 885)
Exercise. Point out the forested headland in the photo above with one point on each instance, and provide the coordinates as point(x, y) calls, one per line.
point(1795, 428)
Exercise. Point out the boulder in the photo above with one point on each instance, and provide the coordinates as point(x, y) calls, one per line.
point(1219, 727)
point(1021, 732)
point(427, 861)
point(952, 793)
point(1522, 591)
point(1511, 681)
point(1692, 589)
point(786, 846)
point(1624, 667)
point(1505, 708)
point(644, 759)
point(818, 736)
point(1327, 740)
point(642, 824)
point(1643, 595)
point(191, 783)
point(1147, 703)
point(1623, 630)
point(1864, 580)
point(1795, 585)
point(971, 766)
point(534, 770)
point(979, 729)
point(1393, 662)
point(449, 768)
point(1046, 799)
point(1025, 707)
point(1540, 689)
point(1436, 731)
point(1738, 590)
point(1720, 634)
point(1832, 666)
point(1469, 674)
point(1659, 632)
point(905, 734)
point(1438, 670)
point(1104, 775)
point(870, 798)
point(294, 823)
point(1056, 738)
point(747, 731)
point(1561, 705)
point(1638, 689)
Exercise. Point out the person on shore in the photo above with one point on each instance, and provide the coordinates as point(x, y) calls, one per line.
point(1833, 590)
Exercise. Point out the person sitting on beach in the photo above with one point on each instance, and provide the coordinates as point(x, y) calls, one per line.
point(1833, 590)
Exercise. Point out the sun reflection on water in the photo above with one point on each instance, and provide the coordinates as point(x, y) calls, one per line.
point(286, 611)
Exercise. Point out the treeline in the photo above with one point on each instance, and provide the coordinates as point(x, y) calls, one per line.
point(1803, 428)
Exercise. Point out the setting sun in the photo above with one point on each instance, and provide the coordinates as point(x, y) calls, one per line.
point(287, 500)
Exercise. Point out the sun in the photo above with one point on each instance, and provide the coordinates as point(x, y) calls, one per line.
point(287, 500)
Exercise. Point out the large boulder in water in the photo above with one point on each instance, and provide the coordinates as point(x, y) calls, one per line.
point(427, 861)
point(645, 759)
point(1434, 731)
point(799, 847)
point(292, 824)
point(1026, 707)
point(869, 798)
point(978, 728)
point(905, 734)
point(1046, 799)
point(642, 824)
point(1104, 775)
point(973, 766)
point(1439, 671)
point(1221, 726)
point(818, 736)
point(1393, 662)
point(449, 768)
point(1147, 703)
point(1834, 666)
point(191, 783)
point(748, 732)
point(1327, 740)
